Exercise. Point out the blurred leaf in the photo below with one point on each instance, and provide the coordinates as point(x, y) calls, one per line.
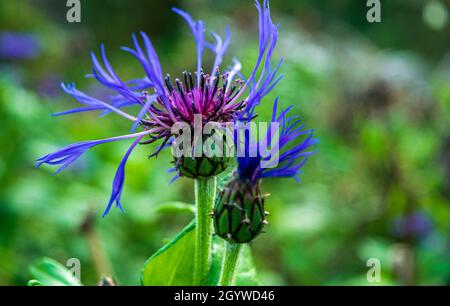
point(376, 248)
point(246, 271)
point(175, 207)
point(172, 265)
point(34, 282)
point(48, 272)
point(216, 262)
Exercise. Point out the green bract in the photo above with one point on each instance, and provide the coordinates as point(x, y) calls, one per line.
point(239, 214)
point(213, 159)
point(201, 167)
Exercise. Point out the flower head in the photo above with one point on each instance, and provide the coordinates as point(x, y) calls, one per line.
point(219, 96)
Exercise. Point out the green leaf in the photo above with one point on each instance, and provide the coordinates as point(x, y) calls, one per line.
point(34, 282)
point(175, 207)
point(245, 271)
point(172, 265)
point(48, 272)
point(216, 262)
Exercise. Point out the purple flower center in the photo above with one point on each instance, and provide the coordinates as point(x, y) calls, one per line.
point(216, 98)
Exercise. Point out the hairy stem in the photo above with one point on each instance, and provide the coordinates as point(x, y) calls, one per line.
point(205, 194)
point(230, 261)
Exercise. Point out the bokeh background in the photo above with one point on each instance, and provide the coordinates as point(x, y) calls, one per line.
point(377, 95)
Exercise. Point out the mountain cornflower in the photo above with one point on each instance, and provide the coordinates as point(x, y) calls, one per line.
point(218, 96)
point(239, 214)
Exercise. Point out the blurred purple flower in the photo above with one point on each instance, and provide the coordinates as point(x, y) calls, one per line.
point(19, 45)
point(414, 225)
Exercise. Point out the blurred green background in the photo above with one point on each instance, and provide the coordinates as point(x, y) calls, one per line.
point(377, 95)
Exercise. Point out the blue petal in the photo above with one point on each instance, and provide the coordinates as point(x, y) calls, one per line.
point(143, 111)
point(119, 179)
point(263, 84)
point(149, 62)
point(219, 48)
point(67, 155)
point(198, 30)
point(78, 110)
point(91, 102)
point(110, 78)
point(290, 149)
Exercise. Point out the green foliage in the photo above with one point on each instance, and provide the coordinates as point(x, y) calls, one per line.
point(175, 207)
point(172, 265)
point(48, 272)
point(245, 272)
point(34, 282)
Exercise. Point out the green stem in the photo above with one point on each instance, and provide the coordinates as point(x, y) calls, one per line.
point(230, 261)
point(205, 194)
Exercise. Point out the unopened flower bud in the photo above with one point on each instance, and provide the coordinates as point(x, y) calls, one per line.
point(239, 214)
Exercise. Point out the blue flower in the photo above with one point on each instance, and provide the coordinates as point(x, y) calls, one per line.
point(19, 45)
point(161, 103)
point(279, 153)
point(417, 224)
